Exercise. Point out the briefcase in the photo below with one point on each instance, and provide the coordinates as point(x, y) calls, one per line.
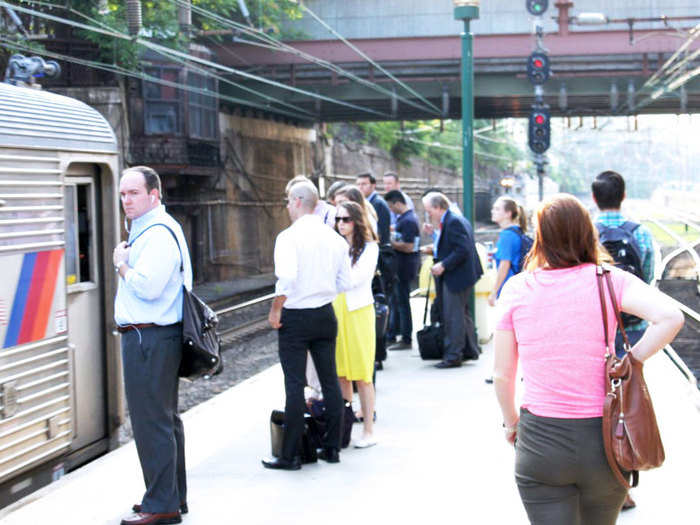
point(308, 448)
point(430, 338)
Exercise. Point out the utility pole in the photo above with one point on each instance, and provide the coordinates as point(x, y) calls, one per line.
point(467, 10)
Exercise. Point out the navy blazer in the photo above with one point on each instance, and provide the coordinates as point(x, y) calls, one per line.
point(457, 253)
point(383, 218)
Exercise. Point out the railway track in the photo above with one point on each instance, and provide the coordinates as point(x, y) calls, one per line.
point(678, 276)
point(243, 319)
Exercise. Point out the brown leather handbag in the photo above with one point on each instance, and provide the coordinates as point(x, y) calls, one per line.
point(630, 433)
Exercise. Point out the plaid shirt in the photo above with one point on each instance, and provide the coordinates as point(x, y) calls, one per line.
point(643, 237)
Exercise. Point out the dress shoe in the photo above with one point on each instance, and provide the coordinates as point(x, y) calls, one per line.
point(282, 463)
point(379, 365)
point(183, 508)
point(402, 345)
point(329, 455)
point(629, 503)
point(146, 518)
point(489, 380)
point(454, 363)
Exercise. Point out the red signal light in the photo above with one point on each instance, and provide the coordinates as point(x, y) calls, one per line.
point(539, 119)
point(538, 63)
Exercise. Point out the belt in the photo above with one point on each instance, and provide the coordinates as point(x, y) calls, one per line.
point(125, 328)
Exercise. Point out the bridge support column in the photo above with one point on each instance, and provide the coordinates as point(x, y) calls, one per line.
point(467, 10)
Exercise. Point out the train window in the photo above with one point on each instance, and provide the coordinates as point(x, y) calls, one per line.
point(80, 225)
point(162, 104)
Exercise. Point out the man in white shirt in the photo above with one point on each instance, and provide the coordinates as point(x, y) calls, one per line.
point(312, 266)
point(152, 269)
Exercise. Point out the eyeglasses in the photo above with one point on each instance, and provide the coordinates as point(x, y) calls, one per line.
point(345, 219)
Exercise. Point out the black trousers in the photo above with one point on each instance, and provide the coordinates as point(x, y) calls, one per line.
point(562, 473)
point(151, 359)
point(315, 330)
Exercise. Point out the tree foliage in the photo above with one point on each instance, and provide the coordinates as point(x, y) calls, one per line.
point(159, 22)
point(439, 144)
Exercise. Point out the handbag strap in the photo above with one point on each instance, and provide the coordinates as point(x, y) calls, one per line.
point(427, 300)
point(613, 299)
point(601, 294)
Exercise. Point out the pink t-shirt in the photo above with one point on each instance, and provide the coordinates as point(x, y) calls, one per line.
point(558, 326)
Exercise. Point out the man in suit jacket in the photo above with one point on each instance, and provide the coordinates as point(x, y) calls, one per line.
point(457, 268)
point(368, 184)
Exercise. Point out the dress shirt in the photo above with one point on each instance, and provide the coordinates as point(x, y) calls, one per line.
point(437, 235)
point(326, 212)
point(151, 290)
point(361, 273)
point(312, 264)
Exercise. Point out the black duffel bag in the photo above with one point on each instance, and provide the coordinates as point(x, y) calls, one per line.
point(201, 346)
point(430, 338)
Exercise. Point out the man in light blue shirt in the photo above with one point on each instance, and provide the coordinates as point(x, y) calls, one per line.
point(148, 313)
point(391, 183)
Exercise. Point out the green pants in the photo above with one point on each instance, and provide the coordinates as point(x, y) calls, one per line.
point(562, 473)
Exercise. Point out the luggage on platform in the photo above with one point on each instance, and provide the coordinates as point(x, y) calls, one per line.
point(381, 312)
point(308, 448)
point(430, 338)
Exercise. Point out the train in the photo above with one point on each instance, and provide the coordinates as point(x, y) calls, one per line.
point(61, 389)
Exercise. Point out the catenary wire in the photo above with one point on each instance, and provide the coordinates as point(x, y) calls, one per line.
point(269, 42)
point(172, 52)
point(146, 77)
point(368, 59)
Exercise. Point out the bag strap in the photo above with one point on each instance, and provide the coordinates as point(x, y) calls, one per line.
point(427, 300)
point(601, 294)
point(620, 325)
point(182, 268)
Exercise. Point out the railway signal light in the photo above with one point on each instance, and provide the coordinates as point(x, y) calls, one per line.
point(538, 130)
point(538, 68)
point(536, 7)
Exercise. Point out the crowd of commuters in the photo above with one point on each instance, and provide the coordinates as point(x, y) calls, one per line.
point(328, 263)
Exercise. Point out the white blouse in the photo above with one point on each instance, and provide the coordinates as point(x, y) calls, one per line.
point(359, 294)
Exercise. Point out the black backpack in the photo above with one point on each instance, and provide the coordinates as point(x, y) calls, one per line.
point(620, 243)
point(526, 243)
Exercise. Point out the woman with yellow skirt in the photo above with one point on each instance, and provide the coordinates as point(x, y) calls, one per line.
point(354, 309)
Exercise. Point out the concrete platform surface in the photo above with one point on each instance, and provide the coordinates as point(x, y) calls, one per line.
point(441, 459)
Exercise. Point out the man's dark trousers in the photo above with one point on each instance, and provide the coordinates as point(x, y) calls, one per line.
point(456, 325)
point(151, 359)
point(404, 323)
point(315, 330)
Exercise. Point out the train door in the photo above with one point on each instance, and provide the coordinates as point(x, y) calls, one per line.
point(85, 301)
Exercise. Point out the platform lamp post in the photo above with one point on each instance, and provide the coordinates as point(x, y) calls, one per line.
point(467, 10)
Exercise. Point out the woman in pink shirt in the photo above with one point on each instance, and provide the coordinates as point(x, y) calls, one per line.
point(550, 323)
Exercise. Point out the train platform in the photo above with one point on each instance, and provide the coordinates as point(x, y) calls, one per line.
point(441, 458)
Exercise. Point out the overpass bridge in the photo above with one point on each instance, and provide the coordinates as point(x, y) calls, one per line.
point(600, 70)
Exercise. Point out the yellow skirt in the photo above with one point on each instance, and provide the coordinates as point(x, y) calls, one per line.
point(355, 344)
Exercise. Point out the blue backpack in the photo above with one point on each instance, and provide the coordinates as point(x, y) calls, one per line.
point(526, 243)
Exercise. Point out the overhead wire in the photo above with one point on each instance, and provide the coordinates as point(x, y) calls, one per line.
point(271, 43)
point(172, 52)
point(202, 71)
point(146, 77)
point(367, 58)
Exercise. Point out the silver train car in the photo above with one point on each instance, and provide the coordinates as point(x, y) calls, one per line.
point(61, 399)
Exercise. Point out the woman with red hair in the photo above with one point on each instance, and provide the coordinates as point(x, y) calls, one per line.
point(550, 323)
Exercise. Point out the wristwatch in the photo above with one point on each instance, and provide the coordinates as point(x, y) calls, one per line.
point(118, 265)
